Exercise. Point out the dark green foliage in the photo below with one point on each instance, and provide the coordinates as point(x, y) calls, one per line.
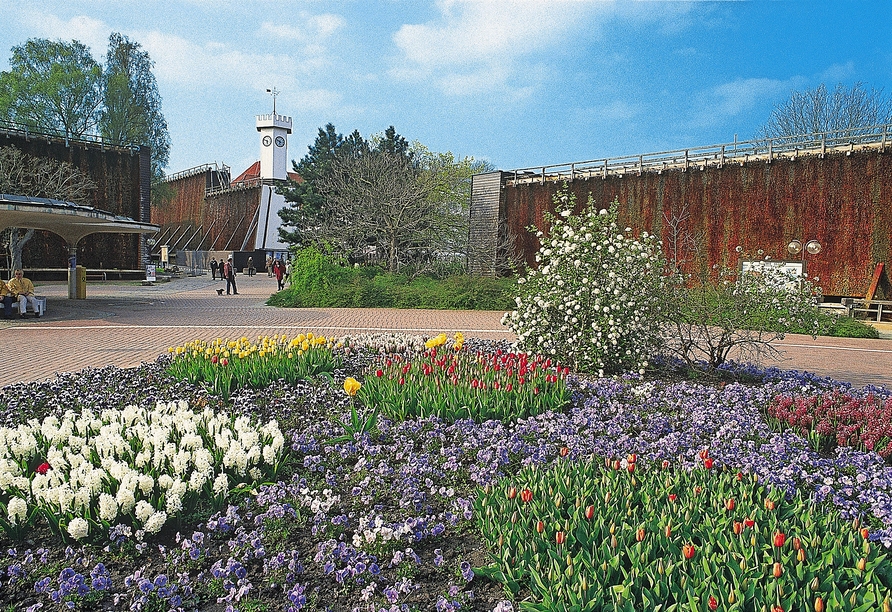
point(841, 327)
point(319, 282)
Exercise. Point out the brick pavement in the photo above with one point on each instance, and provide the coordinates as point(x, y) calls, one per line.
point(127, 324)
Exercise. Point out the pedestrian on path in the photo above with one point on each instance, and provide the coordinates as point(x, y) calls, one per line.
point(214, 269)
point(250, 266)
point(229, 273)
point(269, 266)
point(279, 271)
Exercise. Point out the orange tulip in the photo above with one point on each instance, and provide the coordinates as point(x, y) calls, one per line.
point(564, 451)
point(778, 570)
point(865, 532)
point(862, 564)
point(729, 504)
point(540, 526)
point(738, 527)
point(688, 550)
point(512, 492)
point(797, 543)
point(819, 604)
point(526, 496)
point(639, 535)
point(769, 504)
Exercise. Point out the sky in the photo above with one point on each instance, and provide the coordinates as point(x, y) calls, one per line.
point(518, 83)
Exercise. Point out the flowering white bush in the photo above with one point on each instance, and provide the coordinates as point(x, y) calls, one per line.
point(594, 301)
point(84, 472)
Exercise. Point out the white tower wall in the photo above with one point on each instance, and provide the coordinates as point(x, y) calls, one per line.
point(274, 130)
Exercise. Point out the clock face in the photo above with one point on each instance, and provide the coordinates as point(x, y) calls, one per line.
point(267, 141)
point(280, 141)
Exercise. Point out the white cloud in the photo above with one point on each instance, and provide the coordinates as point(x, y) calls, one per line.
point(478, 45)
point(91, 32)
point(312, 29)
point(736, 97)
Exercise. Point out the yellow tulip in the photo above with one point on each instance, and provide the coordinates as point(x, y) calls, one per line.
point(351, 386)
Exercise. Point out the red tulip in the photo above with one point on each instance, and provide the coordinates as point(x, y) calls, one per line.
point(379, 373)
point(526, 496)
point(673, 497)
point(779, 539)
point(778, 570)
point(668, 531)
point(865, 532)
point(632, 458)
point(564, 451)
point(639, 535)
point(590, 512)
point(712, 603)
point(560, 537)
point(631, 468)
point(739, 475)
point(224, 362)
point(665, 464)
point(704, 453)
point(214, 359)
point(688, 551)
point(707, 463)
point(540, 526)
point(698, 490)
point(617, 465)
point(749, 522)
point(43, 468)
point(797, 543)
point(729, 504)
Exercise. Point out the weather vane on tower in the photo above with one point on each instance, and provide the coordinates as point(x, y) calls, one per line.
point(274, 92)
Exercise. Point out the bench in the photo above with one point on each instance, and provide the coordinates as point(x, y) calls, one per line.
point(41, 305)
point(874, 309)
point(97, 276)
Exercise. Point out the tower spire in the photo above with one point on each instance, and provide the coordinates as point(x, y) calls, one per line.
point(273, 92)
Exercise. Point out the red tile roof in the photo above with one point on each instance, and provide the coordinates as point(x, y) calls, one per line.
point(253, 173)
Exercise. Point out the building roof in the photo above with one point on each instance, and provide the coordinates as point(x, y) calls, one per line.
point(252, 174)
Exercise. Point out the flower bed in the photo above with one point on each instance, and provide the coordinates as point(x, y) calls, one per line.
point(837, 419)
point(388, 518)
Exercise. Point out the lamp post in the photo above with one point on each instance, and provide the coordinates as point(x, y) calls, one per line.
point(812, 247)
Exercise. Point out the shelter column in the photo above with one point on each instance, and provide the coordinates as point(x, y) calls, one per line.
point(72, 270)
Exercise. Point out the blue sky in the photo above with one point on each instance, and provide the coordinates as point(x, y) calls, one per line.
point(518, 83)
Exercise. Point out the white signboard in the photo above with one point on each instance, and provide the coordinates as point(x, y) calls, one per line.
point(150, 272)
point(785, 273)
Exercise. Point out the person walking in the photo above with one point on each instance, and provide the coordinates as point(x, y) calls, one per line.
point(229, 273)
point(279, 271)
point(269, 266)
point(250, 266)
point(214, 269)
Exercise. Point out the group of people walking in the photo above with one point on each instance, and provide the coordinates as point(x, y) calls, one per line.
point(274, 267)
point(18, 289)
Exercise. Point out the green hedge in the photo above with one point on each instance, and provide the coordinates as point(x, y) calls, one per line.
point(319, 282)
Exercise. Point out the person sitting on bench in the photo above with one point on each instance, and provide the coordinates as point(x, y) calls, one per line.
point(23, 290)
point(6, 296)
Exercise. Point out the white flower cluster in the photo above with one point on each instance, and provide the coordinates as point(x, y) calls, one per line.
point(371, 531)
point(135, 464)
point(594, 302)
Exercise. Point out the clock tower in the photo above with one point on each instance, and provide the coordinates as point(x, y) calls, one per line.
point(274, 130)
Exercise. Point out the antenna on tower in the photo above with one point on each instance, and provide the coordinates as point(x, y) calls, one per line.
point(274, 92)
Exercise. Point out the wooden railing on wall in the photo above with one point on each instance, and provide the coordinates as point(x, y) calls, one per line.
point(875, 137)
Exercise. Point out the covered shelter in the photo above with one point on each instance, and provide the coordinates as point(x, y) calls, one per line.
point(69, 220)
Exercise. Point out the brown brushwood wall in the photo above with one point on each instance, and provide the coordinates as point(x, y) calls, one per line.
point(116, 172)
point(226, 215)
point(843, 201)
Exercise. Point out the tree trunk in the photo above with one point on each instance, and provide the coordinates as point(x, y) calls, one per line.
point(17, 241)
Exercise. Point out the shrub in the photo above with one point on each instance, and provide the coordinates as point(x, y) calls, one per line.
point(224, 365)
point(595, 536)
point(320, 282)
point(451, 383)
point(722, 310)
point(847, 327)
point(594, 302)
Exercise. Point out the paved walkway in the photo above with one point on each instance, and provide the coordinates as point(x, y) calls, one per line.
point(128, 324)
